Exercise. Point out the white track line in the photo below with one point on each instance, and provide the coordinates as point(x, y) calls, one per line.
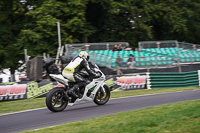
point(150, 94)
point(110, 99)
point(22, 111)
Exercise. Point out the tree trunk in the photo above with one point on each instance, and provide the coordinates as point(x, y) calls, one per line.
point(12, 71)
point(85, 39)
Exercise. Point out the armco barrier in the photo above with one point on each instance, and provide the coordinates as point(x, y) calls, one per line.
point(172, 80)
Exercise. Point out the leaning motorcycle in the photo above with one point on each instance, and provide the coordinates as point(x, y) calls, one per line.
point(97, 91)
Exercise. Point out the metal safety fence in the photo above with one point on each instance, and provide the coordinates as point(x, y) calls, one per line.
point(157, 44)
point(147, 58)
point(92, 46)
point(167, 44)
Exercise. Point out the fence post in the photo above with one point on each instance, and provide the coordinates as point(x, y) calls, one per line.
point(179, 65)
point(44, 56)
point(191, 58)
point(119, 72)
point(109, 60)
point(148, 70)
point(59, 42)
point(26, 55)
point(94, 60)
point(177, 45)
point(179, 68)
point(107, 46)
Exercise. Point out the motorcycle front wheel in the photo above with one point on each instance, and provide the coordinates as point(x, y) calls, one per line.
point(56, 100)
point(102, 95)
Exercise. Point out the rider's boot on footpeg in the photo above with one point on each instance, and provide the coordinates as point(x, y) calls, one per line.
point(72, 91)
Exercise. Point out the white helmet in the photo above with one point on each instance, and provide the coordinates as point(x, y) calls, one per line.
point(84, 55)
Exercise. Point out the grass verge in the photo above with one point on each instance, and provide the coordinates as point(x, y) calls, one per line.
point(27, 104)
point(177, 118)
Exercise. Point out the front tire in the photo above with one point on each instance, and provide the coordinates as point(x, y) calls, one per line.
point(56, 100)
point(102, 95)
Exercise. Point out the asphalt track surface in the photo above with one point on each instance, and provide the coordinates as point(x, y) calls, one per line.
point(39, 118)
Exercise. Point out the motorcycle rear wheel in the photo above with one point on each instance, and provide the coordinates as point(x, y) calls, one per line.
point(56, 100)
point(102, 97)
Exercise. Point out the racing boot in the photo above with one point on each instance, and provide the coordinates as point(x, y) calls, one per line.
point(79, 93)
point(72, 91)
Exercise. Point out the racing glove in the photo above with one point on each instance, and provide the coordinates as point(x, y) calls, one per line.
point(97, 75)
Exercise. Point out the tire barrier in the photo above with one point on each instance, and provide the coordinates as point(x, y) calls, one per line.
point(172, 80)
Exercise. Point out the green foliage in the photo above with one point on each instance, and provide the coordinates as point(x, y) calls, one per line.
point(40, 33)
point(32, 24)
point(149, 20)
point(11, 23)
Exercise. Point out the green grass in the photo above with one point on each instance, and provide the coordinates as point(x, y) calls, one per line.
point(149, 91)
point(21, 105)
point(182, 117)
point(7, 83)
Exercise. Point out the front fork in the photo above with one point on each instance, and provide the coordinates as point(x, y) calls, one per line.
point(102, 90)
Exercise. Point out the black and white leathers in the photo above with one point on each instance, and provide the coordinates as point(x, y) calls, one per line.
point(71, 71)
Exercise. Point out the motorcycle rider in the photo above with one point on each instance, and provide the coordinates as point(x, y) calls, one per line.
point(72, 72)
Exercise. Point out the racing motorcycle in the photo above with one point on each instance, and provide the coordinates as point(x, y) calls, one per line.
point(97, 91)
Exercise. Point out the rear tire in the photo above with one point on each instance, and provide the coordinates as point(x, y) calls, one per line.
point(56, 100)
point(102, 97)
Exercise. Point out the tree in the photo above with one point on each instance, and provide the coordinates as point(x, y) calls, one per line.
point(118, 21)
point(40, 33)
point(136, 20)
point(11, 23)
point(31, 24)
